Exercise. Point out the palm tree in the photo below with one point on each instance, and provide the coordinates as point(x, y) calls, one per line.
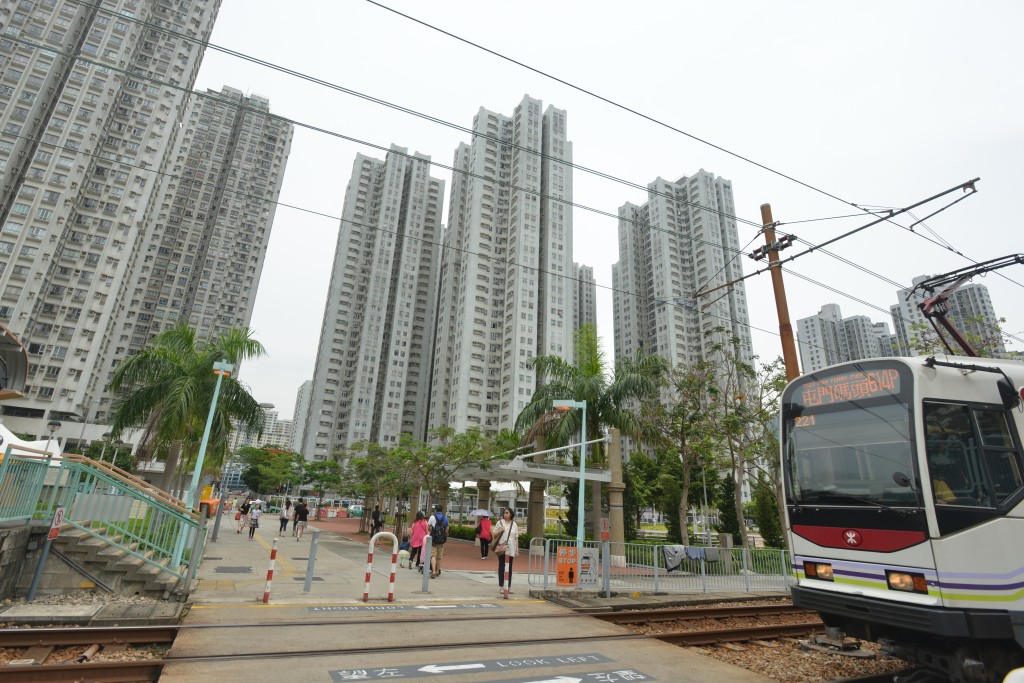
point(608, 399)
point(166, 390)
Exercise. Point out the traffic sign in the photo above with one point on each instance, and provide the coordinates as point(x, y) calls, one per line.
point(567, 566)
point(58, 519)
point(605, 528)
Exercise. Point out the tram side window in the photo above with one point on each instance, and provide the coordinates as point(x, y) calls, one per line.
point(971, 456)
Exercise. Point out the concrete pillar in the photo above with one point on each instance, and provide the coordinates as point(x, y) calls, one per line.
point(483, 495)
point(615, 488)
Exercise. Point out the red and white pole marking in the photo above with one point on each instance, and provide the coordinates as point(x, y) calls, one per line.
point(508, 576)
point(394, 564)
point(270, 572)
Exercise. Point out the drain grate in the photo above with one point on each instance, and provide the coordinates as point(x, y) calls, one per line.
point(303, 578)
point(301, 558)
point(233, 570)
point(212, 558)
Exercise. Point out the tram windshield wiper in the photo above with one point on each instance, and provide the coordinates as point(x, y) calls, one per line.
point(832, 492)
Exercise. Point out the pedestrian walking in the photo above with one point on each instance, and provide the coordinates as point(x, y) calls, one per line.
point(301, 518)
point(242, 516)
point(285, 512)
point(254, 519)
point(419, 532)
point(438, 525)
point(377, 521)
point(505, 543)
point(483, 532)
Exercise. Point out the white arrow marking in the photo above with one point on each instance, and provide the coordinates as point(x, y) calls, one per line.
point(435, 669)
point(436, 606)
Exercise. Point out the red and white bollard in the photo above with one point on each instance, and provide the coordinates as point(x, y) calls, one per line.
point(270, 572)
point(508, 576)
point(394, 564)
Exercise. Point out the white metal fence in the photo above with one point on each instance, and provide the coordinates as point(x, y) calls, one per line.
point(558, 564)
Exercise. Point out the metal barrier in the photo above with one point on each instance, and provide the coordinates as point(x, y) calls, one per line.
point(633, 567)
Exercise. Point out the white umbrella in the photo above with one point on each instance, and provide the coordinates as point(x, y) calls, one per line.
point(480, 513)
point(256, 502)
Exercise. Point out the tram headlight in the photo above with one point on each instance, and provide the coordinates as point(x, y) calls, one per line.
point(818, 570)
point(907, 582)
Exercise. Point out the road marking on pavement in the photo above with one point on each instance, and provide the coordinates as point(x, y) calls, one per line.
point(491, 665)
point(286, 566)
point(229, 605)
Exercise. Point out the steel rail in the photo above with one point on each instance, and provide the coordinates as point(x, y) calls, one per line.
point(654, 615)
point(104, 635)
point(94, 672)
point(732, 635)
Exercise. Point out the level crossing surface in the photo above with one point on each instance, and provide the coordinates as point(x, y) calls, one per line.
point(459, 629)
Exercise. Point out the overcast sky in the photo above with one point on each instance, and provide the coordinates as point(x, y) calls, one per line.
point(876, 103)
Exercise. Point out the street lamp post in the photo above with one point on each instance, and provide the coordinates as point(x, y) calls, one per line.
point(103, 451)
point(580, 509)
point(51, 426)
point(222, 369)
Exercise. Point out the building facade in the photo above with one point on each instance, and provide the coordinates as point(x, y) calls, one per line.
point(507, 288)
point(586, 296)
point(203, 251)
point(372, 375)
point(682, 242)
point(82, 149)
point(828, 338)
point(302, 398)
point(970, 310)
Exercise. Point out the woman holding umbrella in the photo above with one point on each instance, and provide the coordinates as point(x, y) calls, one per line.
point(483, 531)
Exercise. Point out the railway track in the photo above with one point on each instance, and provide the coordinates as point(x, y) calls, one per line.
point(38, 644)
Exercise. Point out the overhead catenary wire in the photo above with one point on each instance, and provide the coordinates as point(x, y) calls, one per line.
point(154, 80)
point(402, 109)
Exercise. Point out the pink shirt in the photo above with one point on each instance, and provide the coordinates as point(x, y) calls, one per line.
point(419, 530)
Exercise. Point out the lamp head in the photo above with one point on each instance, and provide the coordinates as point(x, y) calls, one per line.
point(53, 425)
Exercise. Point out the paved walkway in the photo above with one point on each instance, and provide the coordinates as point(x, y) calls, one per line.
point(234, 569)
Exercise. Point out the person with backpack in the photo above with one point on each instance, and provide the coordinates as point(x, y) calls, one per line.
point(438, 525)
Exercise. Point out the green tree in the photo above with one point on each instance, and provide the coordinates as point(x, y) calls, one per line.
point(766, 513)
point(166, 390)
point(266, 469)
point(678, 420)
point(322, 475)
point(437, 463)
point(609, 399)
point(728, 517)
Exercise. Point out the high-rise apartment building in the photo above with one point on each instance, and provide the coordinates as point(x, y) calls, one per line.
point(507, 290)
point(276, 432)
point(684, 240)
point(586, 296)
point(302, 398)
point(372, 376)
point(90, 105)
point(970, 309)
point(828, 338)
point(202, 253)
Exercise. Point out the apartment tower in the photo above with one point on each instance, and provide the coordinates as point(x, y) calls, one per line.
point(83, 145)
point(372, 375)
point(970, 309)
point(508, 282)
point(682, 242)
point(828, 338)
point(203, 252)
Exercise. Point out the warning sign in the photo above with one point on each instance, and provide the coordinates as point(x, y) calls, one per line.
point(590, 561)
point(58, 519)
point(568, 566)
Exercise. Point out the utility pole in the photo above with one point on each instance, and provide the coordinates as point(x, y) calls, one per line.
point(771, 249)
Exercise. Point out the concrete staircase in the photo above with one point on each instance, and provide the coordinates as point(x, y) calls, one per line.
point(109, 565)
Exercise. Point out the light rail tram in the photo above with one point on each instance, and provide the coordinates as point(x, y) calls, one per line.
point(904, 485)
